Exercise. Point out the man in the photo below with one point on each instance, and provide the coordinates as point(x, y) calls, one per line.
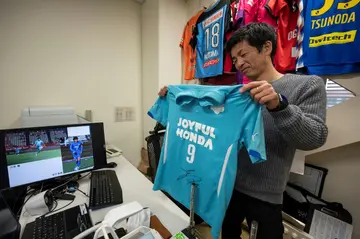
point(39, 144)
point(294, 118)
point(76, 148)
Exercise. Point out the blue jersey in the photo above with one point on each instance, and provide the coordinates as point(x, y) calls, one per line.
point(331, 37)
point(206, 126)
point(212, 25)
point(39, 143)
point(76, 147)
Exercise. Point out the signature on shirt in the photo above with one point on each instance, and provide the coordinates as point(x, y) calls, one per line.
point(190, 177)
point(253, 136)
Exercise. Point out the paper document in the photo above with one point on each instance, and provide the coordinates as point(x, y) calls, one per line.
point(324, 226)
point(298, 164)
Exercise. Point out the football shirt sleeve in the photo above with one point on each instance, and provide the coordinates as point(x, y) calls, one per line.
point(250, 12)
point(159, 111)
point(253, 137)
point(181, 44)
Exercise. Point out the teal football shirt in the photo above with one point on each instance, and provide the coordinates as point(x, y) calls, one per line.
point(206, 126)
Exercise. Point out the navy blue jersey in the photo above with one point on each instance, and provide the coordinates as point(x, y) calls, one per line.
point(330, 36)
point(212, 25)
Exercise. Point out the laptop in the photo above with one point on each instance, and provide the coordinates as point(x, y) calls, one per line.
point(62, 225)
point(10, 227)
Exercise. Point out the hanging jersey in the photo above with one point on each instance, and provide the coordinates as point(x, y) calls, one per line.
point(236, 22)
point(212, 25)
point(229, 67)
point(286, 15)
point(240, 13)
point(189, 54)
point(330, 37)
point(255, 11)
point(201, 145)
point(224, 79)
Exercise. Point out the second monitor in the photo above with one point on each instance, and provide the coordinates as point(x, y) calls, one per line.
point(37, 154)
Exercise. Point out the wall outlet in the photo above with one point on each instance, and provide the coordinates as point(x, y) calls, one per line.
point(123, 114)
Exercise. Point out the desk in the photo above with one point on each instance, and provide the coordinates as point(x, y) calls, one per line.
point(135, 187)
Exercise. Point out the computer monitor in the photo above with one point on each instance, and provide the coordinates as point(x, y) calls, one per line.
point(30, 155)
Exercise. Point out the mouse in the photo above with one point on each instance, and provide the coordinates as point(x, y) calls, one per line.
point(111, 165)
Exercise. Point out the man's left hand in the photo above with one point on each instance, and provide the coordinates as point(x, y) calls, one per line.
point(263, 93)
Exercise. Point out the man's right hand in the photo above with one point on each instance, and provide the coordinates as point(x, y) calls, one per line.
point(163, 91)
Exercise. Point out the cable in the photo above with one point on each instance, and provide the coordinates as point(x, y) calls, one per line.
point(53, 210)
point(27, 190)
point(31, 195)
point(61, 185)
point(71, 179)
point(82, 192)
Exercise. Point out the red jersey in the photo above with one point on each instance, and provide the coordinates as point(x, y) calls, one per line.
point(228, 63)
point(287, 15)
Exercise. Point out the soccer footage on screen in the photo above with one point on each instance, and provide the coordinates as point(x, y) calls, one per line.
point(76, 150)
point(38, 155)
point(28, 147)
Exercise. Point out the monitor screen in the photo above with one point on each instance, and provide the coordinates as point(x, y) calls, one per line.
point(37, 154)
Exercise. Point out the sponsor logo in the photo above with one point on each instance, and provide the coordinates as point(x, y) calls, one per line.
point(333, 38)
point(213, 18)
point(211, 62)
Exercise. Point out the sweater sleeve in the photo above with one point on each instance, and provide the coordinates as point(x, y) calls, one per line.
point(303, 124)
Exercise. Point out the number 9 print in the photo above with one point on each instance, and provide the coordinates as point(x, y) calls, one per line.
point(191, 153)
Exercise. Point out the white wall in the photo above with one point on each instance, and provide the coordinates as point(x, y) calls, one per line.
point(163, 22)
point(172, 20)
point(150, 60)
point(193, 6)
point(84, 53)
point(343, 119)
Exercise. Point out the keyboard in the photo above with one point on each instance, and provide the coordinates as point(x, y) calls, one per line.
point(105, 189)
point(50, 227)
point(62, 225)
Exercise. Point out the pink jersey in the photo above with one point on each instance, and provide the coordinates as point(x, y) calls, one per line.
point(255, 11)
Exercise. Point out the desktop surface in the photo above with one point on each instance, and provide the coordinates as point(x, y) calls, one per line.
point(135, 187)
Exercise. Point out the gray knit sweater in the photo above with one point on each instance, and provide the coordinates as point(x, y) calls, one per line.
point(300, 126)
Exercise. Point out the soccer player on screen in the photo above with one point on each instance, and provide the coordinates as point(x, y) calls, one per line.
point(76, 148)
point(39, 144)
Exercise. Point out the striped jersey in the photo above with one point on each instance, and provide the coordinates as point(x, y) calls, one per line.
point(329, 37)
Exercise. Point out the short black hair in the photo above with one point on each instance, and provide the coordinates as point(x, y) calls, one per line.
point(75, 138)
point(256, 34)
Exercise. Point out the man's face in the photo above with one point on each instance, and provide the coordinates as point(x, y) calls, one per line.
point(75, 140)
point(248, 60)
